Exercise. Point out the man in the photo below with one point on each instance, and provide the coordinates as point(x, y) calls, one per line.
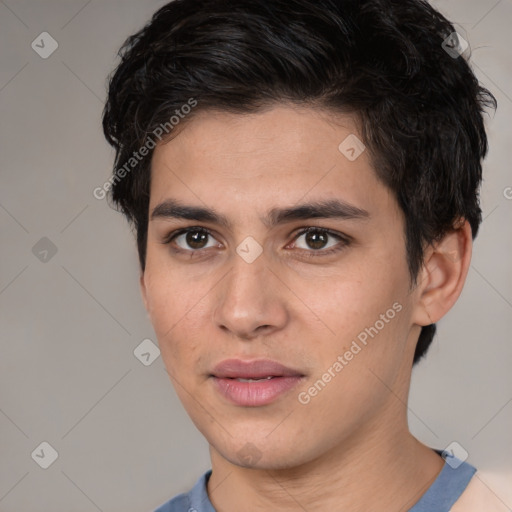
point(303, 180)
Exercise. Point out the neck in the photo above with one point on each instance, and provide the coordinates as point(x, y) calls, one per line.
point(378, 468)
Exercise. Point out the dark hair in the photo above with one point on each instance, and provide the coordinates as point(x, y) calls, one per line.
point(420, 108)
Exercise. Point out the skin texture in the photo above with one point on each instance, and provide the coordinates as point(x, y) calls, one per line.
point(349, 447)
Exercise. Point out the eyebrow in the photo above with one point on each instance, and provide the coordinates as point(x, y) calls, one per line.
point(334, 208)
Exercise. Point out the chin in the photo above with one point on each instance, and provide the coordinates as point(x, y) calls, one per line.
point(263, 456)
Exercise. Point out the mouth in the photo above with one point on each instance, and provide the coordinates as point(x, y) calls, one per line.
point(252, 370)
point(253, 383)
point(242, 379)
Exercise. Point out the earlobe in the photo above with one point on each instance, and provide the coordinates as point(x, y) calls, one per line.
point(443, 275)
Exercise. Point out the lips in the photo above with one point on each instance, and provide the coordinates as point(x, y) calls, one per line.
point(253, 383)
point(239, 369)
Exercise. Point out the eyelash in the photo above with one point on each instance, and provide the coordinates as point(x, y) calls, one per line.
point(308, 253)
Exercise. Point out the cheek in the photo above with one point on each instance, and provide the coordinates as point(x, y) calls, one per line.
point(366, 314)
point(175, 309)
point(348, 305)
point(365, 353)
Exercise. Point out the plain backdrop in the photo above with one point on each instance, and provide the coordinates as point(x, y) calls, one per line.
point(71, 312)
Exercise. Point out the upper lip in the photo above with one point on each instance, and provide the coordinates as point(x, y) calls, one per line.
point(238, 368)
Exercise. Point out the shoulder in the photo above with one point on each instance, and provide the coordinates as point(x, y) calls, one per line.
point(477, 497)
point(179, 503)
point(196, 500)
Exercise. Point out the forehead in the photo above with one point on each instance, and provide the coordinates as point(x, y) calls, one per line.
point(280, 156)
point(294, 130)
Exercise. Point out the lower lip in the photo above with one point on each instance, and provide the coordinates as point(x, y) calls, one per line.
point(254, 394)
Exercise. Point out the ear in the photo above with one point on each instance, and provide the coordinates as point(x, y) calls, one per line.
point(142, 284)
point(443, 275)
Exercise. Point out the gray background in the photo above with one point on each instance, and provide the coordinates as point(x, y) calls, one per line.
point(70, 324)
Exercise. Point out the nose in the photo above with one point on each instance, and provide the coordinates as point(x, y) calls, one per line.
point(250, 300)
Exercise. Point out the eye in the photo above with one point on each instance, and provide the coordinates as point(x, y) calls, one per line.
point(312, 241)
point(315, 239)
point(192, 239)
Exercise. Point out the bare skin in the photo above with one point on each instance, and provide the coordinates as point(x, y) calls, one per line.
point(349, 446)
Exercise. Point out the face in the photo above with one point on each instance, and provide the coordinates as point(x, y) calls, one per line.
point(319, 323)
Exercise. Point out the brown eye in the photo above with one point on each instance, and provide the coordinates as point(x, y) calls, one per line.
point(193, 239)
point(316, 239)
point(196, 239)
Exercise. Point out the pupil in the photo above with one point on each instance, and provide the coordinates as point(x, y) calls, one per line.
point(196, 239)
point(316, 240)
